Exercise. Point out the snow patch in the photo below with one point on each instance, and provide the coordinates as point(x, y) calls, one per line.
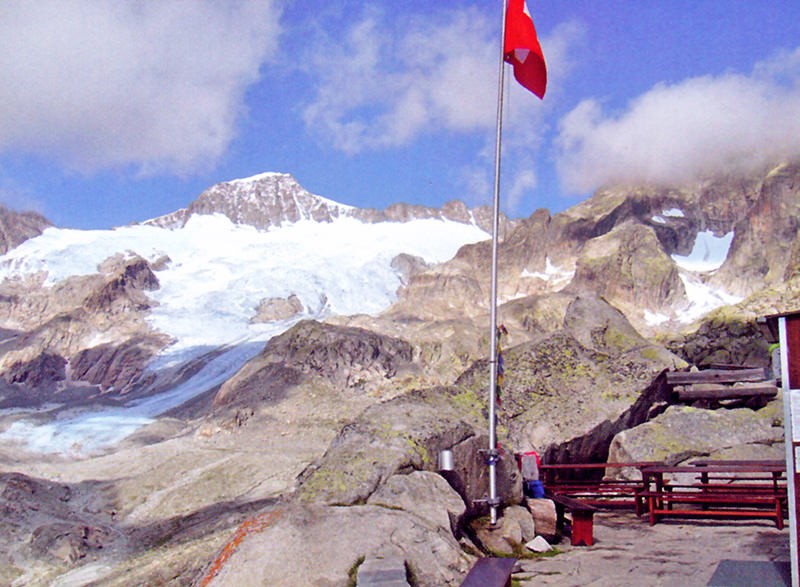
point(702, 298)
point(552, 273)
point(257, 177)
point(671, 213)
point(654, 318)
point(708, 254)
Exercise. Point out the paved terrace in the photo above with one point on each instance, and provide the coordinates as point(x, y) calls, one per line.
point(679, 553)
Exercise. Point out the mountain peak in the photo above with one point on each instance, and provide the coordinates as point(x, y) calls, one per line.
point(272, 199)
point(265, 200)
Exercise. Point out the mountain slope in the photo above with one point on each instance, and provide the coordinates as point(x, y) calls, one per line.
point(152, 323)
point(182, 302)
point(148, 309)
point(663, 255)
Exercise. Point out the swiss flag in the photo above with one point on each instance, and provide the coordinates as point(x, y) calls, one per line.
point(522, 50)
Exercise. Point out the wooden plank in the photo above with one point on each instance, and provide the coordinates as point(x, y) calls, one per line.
point(737, 463)
point(715, 376)
point(721, 391)
point(572, 504)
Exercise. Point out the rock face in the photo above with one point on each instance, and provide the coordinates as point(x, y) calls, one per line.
point(51, 521)
point(264, 201)
point(470, 476)
point(683, 432)
point(350, 535)
point(622, 244)
point(17, 227)
point(400, 435)
point(724, 337)
point(61, 330)
point(629, 265)
point(350, 358)
point(422, 493)
point(348, 417)
point(551, 397)
point(273, 309)
point(765, 243)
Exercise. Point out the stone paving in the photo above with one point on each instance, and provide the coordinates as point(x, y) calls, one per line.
point(680, 553)
point(382, 572)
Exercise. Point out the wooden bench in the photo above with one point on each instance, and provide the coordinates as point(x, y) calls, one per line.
point(725, 490)
point(606, 493)
point(490, 572)
point(557, 473)
point(719, 504)
point(585, 481)
point(582, 519)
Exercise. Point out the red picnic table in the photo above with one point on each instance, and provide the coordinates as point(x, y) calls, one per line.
point(736, 489)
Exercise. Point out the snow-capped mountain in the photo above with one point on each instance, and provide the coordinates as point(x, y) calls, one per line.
point(271, 199)
point(220, 288)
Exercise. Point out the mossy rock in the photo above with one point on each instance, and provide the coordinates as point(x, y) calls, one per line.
point(403, 434)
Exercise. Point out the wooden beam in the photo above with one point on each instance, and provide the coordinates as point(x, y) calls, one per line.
point(715, 376)
point(718, 391)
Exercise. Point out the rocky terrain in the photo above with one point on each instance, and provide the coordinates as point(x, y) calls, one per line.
point(17, 227)
point(321, 451)
point(276, 199)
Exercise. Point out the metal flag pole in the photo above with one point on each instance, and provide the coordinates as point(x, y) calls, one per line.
point(493, 456)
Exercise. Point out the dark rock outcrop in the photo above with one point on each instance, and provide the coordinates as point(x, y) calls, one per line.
point(113, 367)
point(350, 358)
point(723, 338)
point(59, 341)
point(44, 370)
point(61, 523)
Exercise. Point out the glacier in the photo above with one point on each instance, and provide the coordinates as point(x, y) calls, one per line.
point(217, 274)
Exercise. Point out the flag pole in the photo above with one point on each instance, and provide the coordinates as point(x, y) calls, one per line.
point(493, 456)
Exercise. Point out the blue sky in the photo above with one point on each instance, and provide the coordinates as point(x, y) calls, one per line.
point(113, 112)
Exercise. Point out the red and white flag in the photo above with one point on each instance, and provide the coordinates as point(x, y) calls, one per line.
point(522, 50)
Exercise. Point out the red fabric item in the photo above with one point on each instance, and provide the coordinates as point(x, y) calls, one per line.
point(522, 50)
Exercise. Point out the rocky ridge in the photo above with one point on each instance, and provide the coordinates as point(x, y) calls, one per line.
point(274, 199)
point(624, 243)
point(17, 227)
point(86, 330)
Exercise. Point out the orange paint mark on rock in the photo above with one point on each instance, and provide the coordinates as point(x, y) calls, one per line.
point(247, 528)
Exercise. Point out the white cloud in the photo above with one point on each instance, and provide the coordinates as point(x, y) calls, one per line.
point(156, 85)
point(389, 80)
point(682, 131)
point(522, 183)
